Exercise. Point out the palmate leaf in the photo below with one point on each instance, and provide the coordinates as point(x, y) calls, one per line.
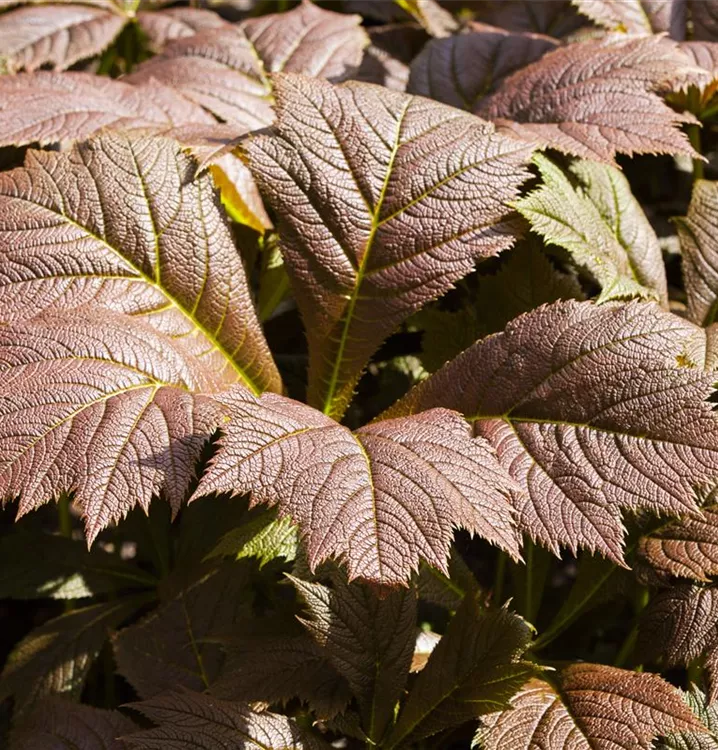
point(57, 724)
point(188, 721)
point(369, 641)
point(380, 211)
point(473, 670)
point(225, 70)
point(460, 70)
point(588, 707)
point(591, 408)
point(638, 16)
point(123, 222)
point(601, 225)
point(595, 99)
point(383, 497)
point(32, 37)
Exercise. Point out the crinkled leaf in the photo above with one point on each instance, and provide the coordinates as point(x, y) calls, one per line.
point(172, 646)
point(637, 16)
point(588, 707)
point(462, 69)
point(474, 669)
point(58, 35)
point(124, 222)
point(101, 404)
point(369, 641)
point(56, 657)
point(188, 721)
point(600, 223)
point(595, 99)
point(383, 497)
point(380, 212)
point(57, 724)
point(264, 537)
point(592, 409)
point(697, 232)
point(168, 24)
point(707, 714)
point(36, 565)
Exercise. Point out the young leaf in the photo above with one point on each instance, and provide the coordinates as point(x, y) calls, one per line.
point(637, 16)
point(168, 24)
point(707, 714)
point(191, 720)
point(171, 647)
point(125, 223)
point(700, 252)
point(595, 99)
point(601, 225)
point(369, 641)
point(57, 724)
point(56, 657)
point(383, 497)
point(588, 707)
point(460, 70)
point(58, 35)
point(380, 212)
point(474, 670)
point(640, 435)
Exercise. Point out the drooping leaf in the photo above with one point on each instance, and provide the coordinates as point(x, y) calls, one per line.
point(697, 232)
point(168, 24)
point(474, 670)
point(38, 565)
point(638, 16)
point(369, 641)
point(601, 225)
point(172, 646)
point(595, 99)
point(380, 212)
point(32, 37)
point(57, 724)
point(383, 497)
point(591, 408)
point(191, 720)
point(706, 713)
point(687, 548)
point(462, 69)
point(124, 222)
point(679, 625)
point(588, 707)
point(240, 196)
point(56, 657)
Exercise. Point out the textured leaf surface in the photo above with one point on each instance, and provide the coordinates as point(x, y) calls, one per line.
point(56, 35)
point(589, 707)
point(699, 247)
point(264, 537)
point(591, 408)
point(56, 657)
point(462, 69)
point(638, 16)
point(380, 212)
point(383, 497)
point(369, 641)
point(168, 24)
point(706, 714)
point(601, 225)
point(171, 647)
point(188, 721)
point(595, 99)
point(125, 223)
point(473, 670)
point(56, 724)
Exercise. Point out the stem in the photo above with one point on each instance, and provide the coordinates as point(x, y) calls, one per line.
point(499, 578)
point(270, 303)
point(694, 136)
point(63, 514)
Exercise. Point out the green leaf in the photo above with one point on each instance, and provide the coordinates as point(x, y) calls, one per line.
point(595, 217)
point(706, 713)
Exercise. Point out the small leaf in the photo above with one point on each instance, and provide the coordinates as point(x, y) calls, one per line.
point(474, 669)
point(191, 720)
point(637, 16)
point(383, 498)
point(638, 435)
point(382, 213)
point(368, 640)
point(58, 35)
point(588, 707)
point(601, 225)
point(595, 99)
